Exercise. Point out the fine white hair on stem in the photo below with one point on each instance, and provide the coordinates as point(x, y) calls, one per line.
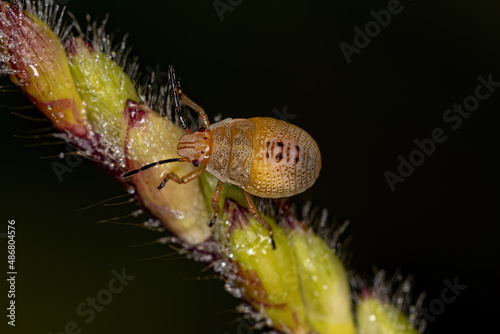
point(101, 41)
point(49, 12)
point(396, 290)
point(329, 230)
point(156, 95)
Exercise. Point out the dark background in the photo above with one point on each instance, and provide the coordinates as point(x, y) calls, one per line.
point(441, 223)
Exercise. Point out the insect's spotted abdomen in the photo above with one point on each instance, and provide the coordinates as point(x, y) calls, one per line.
point(286, 159)
point(283, 151)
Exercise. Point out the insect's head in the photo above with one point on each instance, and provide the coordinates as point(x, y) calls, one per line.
point(196, 146)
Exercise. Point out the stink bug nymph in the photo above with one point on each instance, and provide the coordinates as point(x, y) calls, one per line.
point(264, 156)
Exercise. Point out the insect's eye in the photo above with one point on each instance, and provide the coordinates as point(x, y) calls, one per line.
point(202, 129)
point(196, 162)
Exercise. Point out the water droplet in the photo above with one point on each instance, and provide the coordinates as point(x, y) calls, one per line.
point(49, 107)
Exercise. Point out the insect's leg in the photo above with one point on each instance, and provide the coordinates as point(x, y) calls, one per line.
point(190, 103)
point(215, 201)
point(185, 179)
point(199, 110)
point(253, 210)
point(175, 98)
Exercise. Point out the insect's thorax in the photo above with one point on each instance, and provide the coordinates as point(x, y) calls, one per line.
point(232, 150)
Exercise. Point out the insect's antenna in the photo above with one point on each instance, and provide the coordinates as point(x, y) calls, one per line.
point(143, 168)
point(175, 97)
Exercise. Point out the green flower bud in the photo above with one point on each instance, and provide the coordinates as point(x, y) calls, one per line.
point(323, 283)
point(268, 276)
point(376, 317)
point(104, 87)
point(37, 63)
point(149, 137)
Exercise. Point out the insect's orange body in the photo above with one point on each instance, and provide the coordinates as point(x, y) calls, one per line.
point(265, 157)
